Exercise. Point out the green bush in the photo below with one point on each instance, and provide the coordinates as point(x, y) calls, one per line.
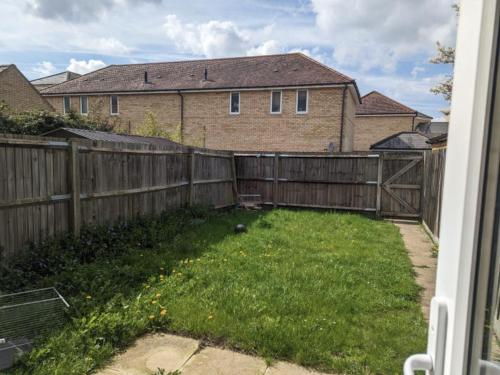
point(40, 122)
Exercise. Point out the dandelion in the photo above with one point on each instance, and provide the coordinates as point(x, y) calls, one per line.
point(153, 302)
point(163, 312)
point(210, 317)
point(151, 317)
point(158, 295)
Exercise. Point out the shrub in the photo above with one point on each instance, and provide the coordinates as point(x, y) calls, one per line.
point(39, 122)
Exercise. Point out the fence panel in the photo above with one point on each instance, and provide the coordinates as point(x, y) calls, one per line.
point(433, 189)
point(49, 186)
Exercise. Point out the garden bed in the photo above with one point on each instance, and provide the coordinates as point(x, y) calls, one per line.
point(331, 291)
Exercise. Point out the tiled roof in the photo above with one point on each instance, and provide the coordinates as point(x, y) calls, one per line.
point(434, 128)
point(95, 135)
point(376, 103)
point(403, 141)
point(294, 69)
point(55, 79)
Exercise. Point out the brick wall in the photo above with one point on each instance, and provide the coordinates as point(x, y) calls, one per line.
point(349, 122)
point(371, 129)
point(19, 94)
point(208, 123)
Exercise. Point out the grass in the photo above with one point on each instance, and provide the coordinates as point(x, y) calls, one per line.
point(326, 290)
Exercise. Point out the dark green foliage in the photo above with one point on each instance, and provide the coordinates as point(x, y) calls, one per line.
point(40, 122)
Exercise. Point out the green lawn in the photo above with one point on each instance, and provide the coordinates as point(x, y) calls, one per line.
point(327, 290)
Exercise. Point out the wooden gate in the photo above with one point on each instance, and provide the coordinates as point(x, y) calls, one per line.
point(401, 184)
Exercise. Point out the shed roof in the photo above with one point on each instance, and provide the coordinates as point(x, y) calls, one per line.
point(403, 141)
point(375, 103)
point(96, 135)
point(294, 69)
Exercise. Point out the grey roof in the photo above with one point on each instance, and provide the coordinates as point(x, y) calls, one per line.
point(55, 79)
point(96, 135)
point(403, 141)
point(433, 129)
point(4, 67)
point(438, 139)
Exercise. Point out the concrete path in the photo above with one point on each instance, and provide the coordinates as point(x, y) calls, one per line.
point(419, 247)
point(163, 354)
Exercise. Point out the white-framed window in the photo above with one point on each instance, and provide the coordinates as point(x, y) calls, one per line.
point(84, 105)
point(276, 99)
point(234, 103)
point(66, 104)
point(114, 105)
point(302, 101)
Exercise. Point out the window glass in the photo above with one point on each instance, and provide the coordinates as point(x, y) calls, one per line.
point(235, 102)
point(84, 107)
point(302, 101)
point(114, 104)
point(276, 102)
point(66, 104)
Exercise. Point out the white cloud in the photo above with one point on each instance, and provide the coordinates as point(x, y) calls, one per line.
point(84, 67)
point(380, 34)
point(45, 68)
point(315, 53)
point(267, 48)
point(415, 72)
point(110, 46)
point(217, 38)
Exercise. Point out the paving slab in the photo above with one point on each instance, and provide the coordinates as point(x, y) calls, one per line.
point(285, 368)
point(153, 352)
point(419, 247)
point(214, 361)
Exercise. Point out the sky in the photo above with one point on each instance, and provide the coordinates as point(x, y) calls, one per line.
point(385, 45)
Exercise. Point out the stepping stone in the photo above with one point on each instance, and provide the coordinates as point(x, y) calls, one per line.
point(213, 361)
point(284, 368)
point(153, 352)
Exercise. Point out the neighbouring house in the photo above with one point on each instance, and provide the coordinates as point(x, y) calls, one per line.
point(95, 135)
point(18, 93)
point(403, 141)
point(433, 129)
point(54, 79)
point(286, 102)
point(379, 117)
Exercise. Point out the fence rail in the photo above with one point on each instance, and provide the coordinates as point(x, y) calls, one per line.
point(49, 186)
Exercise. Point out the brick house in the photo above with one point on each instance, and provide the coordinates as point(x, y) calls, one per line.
point(379, 117)
point(286, 102)
point(18, 93)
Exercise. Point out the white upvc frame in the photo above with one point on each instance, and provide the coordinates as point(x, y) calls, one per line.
point(81, 105)
point(271, 103)
point(297, 102)
point(64, 104)
point(462, 191)
point(230, 102)
point(111, 105)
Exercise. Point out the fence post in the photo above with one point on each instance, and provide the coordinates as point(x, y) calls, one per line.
point(276, 181)
point(379, 182)
point(192, 163)
point(235, 181)
point(74, 184)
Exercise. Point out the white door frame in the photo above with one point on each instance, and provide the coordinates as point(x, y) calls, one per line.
point(462, 191)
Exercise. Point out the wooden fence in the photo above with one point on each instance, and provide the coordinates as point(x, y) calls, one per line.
point(388, 183)
point(49, 186)
point(433, 190)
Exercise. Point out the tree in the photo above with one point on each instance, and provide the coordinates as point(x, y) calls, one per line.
point(445, 55)
point(151, 128)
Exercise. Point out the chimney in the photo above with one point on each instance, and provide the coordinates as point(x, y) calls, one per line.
point(206, 74)
point(146, 77)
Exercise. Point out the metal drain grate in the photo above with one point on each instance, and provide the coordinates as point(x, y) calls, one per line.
point(25, 316)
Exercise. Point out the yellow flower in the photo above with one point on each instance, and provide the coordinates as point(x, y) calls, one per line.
point(153, 302)
point(158, 295)
point(151, 317)
point(210, 317)
point(163, 312)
